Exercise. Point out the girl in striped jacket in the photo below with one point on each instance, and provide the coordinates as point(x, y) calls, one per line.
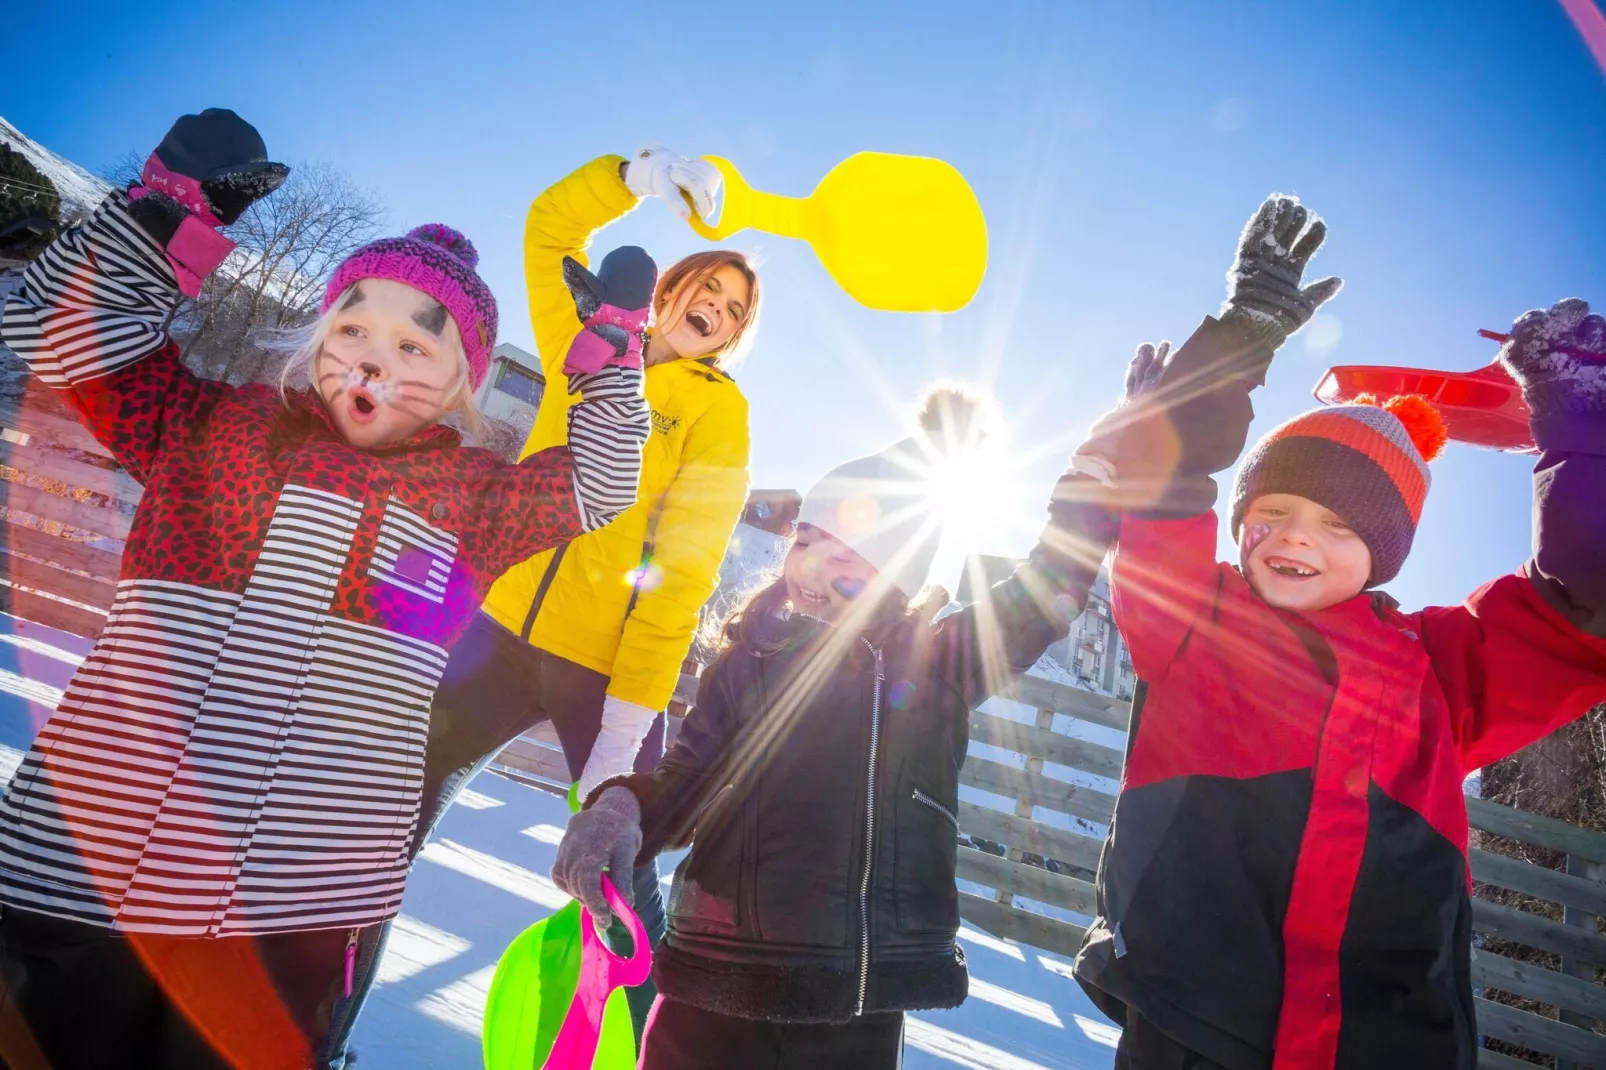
point(228, 791)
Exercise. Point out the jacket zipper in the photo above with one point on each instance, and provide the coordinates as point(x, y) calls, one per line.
point(350, 961)
point(540, 591)
point(869, 831)
point(921, 796)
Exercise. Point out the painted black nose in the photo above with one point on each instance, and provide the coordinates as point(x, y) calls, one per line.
point(370, 370)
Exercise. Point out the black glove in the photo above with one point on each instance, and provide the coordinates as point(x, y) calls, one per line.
point(212, 165)
point(1558, 357)
point(224, 156)
point(1263, 292)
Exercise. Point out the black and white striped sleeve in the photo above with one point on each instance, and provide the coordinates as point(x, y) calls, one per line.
point(94, 302)
point(606, 432)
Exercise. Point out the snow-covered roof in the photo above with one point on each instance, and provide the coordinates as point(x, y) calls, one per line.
point(80, 191)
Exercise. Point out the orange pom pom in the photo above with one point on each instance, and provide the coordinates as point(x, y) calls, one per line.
point(1421, 418)
point(1422, 422)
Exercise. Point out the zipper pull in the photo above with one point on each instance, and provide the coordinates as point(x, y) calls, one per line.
point(351, 960)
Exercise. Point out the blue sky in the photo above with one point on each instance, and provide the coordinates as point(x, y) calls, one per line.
point(1458, 151)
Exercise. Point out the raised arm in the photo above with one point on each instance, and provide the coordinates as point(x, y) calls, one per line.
point(89, 317)
point(984, 646)
point(1527, 653)
point(561, 223)
point(1184, 419)
point(559, 493)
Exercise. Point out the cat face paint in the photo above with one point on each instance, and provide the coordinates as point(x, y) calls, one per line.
point(389, 363)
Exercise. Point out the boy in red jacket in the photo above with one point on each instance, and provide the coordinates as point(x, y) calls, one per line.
point(1285, 883)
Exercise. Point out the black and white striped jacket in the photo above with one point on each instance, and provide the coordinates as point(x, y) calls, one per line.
point(243, 749)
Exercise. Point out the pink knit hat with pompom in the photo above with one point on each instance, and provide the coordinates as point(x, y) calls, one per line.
point(439, 261)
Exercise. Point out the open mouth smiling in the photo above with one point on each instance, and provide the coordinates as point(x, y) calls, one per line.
point(1291, 569)
point(700, 323)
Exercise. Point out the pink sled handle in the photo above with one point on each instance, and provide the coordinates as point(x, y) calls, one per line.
point(601, 971)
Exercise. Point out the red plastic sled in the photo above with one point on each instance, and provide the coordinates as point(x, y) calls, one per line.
point(1481, 408)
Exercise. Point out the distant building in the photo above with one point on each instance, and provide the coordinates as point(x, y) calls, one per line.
point(512, 388)
point(774, 511)
point(1093, 653)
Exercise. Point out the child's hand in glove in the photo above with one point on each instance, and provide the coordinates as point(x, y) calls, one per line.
point(654, 171)
point(615, 305)
point(206, 172)
point(1558, 356)
point(606, 834)
point(1263, 285)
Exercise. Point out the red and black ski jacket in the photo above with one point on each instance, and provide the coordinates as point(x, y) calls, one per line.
point(1285, 882)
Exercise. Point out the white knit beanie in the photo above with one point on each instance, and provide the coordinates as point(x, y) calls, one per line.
point(880, 506)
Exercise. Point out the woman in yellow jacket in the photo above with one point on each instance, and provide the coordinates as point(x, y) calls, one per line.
point(592, 635)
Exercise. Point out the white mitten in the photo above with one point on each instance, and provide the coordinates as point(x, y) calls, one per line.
point(655, 171)
point(624, 726)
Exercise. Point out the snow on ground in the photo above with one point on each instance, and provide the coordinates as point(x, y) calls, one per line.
point(485, 878)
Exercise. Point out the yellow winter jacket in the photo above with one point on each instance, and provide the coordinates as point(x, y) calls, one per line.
point(624, 600)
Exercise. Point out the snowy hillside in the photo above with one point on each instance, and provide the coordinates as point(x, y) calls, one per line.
point(80, 191)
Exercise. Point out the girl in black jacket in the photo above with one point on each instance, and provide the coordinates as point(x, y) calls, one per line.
point(816, 781)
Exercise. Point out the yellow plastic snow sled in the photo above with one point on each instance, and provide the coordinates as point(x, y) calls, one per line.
point(898, 233)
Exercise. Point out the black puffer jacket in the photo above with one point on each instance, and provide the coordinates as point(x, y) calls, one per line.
point(818, 786)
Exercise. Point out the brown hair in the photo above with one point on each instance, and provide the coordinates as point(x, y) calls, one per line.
point(692, 270)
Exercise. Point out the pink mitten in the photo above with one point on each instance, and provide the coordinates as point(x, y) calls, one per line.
point(615, 307)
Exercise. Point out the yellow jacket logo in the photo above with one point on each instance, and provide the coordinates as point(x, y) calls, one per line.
point(664, 424)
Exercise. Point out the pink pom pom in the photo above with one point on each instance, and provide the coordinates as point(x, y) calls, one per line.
point(451, 240)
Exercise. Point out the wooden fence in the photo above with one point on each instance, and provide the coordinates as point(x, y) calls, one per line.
point(1045, 850)
point(68, 508)
point(63, 495)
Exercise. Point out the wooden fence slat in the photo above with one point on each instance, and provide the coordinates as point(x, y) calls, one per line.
point(1493, 1060)
point(1536, 982)
point(530, 757)
point(20, 571)
point(1542, 831)
point(1073, 799)
point(113, 482)
point(1071, 701)
point(1563, 888)
point(60, 430)
point(1012, 923)
point(1029, 835)
point(42, 503)
point(1046, 744)
point(1521, 927)
point(49, 612)
point(1540, 1034)
point(102, 564)
point(1018, 878)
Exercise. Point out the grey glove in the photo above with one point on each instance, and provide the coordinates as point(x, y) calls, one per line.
point(605, 835)
point(1558, 357)
point(1263, 292)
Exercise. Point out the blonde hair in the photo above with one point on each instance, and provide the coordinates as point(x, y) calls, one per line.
point(692, 271)
point(303, 344)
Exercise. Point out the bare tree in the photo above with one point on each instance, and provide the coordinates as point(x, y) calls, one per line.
point(287, 246)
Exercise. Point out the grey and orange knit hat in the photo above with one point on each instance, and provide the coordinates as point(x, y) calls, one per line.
point(439, 261)
point(1366, 462)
